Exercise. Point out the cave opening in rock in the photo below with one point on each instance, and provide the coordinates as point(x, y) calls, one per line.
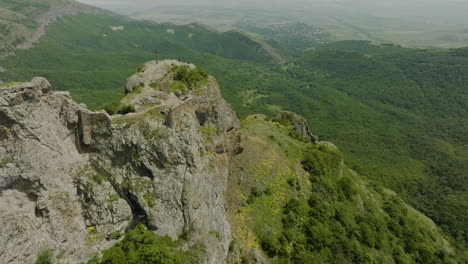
point(139, 214)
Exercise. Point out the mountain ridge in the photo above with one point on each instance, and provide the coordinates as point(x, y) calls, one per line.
point(169, 161)
point(36, 16)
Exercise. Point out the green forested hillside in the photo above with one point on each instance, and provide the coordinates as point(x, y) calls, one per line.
point(399, 115)
point(300, 204)
point(415, 131)
point(84, 55)
point(22, 21)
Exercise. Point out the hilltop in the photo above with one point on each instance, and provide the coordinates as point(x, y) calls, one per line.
point(92, 177)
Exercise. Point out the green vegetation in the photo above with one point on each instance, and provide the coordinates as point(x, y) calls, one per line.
point(399, 115)
point(209, 132)
point(115, 235)
point(326, 228)
point(400, 118)
point(177, 85)
point(83, 55)
point(149, 199)
point(254, 193)
point(408, 123)
point(6, 161)
point(192, 78)
point(18, 20)
point(142, 246)
point(113, 197)
point(154, 84)
point(111, 108)
point(292, 132)
point(90, 176)
point(125, 109)
point(9, 84)
point(116, 107)
point(45, 256)
point(186, 79)
point(335, 217)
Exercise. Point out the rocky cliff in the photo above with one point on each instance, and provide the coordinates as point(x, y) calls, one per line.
point(71, 179)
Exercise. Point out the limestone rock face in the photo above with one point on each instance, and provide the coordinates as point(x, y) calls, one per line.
point(39, 206)
point(70, 178)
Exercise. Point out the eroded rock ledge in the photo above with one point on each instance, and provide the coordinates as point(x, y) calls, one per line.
point(70, 178)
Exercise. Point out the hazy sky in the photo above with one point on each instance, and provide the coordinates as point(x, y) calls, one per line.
point(453, 10)
point(304, 3)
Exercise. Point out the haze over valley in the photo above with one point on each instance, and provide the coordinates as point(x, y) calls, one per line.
point(432, 23)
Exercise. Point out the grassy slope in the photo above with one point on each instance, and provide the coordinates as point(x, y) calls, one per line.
point(327, 214)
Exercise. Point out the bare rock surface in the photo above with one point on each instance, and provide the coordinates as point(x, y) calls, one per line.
point(71, 178)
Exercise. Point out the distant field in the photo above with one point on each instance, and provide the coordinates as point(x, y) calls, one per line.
point(408, 28)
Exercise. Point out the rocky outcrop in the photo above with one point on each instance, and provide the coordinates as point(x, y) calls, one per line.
point(39, 159)
point(299, 124)
point(70, 178)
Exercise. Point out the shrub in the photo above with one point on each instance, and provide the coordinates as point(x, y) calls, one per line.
point(268, 191)
point(114, 235)
point(254, 194)
point(291, 182)
point(283, 122)
point(270, 244)
point(319, 236)
point(111, 108)
point(141, 246)
point(125, 109)
point(178, 85)
point(141, 68)
point(347, 186)
point(298, 136)
point(149, 199)
point(45, 257)
point(193, 78)
point(232, 244)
